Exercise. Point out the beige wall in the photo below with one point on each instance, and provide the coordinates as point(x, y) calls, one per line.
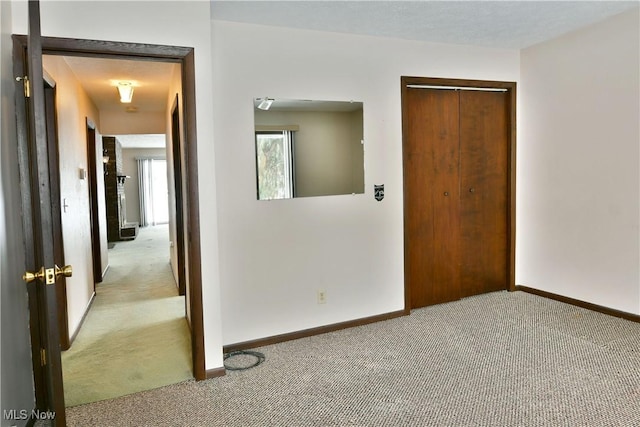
point(73, 108)
point(121, 123)
point(357, 147)
point(327, 150)
point(578, 165)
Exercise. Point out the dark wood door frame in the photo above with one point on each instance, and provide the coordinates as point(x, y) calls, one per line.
point(185, 57)
point(176, 147)
point(56, 208)
point(511, 158)
point(94, 213)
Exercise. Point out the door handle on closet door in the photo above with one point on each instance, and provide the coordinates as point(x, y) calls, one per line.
point(472, 190)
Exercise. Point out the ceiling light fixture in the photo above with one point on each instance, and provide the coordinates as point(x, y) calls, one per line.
point(265, 104)
point(125, 89)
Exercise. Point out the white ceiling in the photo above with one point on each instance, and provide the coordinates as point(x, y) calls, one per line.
point(501, 24)
point(143, 141)
point(98, 77)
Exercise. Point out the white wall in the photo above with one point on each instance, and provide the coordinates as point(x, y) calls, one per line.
point(177, 23)
point(275, 255)
point(73, 106)
point(578, 165)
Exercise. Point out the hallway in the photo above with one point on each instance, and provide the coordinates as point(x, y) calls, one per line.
point(135, 336)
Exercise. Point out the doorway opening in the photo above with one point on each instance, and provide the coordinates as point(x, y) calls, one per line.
point(133, 305)
point(178, 55)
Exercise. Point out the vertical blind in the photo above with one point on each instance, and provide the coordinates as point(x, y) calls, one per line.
point(153, 191)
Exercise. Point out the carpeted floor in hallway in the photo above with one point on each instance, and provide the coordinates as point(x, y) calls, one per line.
point(135, 336)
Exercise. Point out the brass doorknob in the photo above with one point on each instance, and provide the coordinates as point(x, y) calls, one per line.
point(48, 275)
point(66, 271)
point(31, 276)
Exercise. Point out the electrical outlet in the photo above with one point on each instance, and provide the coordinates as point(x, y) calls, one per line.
point(322, 296)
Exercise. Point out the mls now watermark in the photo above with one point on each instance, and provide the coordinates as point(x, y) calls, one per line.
point(23, 414)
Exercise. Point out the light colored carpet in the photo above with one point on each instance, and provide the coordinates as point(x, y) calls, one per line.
point(501, 359)
point(135, 336)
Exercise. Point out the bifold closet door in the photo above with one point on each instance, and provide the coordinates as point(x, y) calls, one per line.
point(431, 169)
point(455, 175)
point(484, 138)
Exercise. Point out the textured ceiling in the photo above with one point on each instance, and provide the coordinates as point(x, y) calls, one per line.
point(502, 24)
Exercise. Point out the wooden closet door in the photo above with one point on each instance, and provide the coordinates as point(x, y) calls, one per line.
point(431, 168)
point(484, 142)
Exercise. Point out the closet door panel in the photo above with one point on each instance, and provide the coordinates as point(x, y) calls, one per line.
point(431, 157)
point(484, 142)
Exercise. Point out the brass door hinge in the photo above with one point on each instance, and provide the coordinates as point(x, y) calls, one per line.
point(26, 85)
point(43, 357)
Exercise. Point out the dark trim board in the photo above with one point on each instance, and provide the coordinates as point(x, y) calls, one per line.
point(113, 49)
point(582, 304)
point(313, 331)
point(176, 149)
point(94, 211)
point(190, 165)
point(51, 119)
point(84, 316)
point(215, 373)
